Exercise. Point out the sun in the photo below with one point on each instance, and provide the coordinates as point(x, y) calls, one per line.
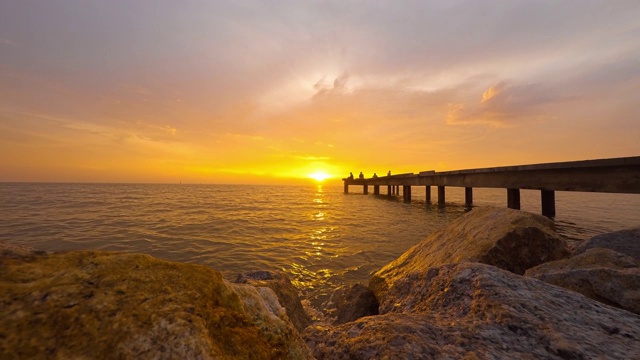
point(319, 176)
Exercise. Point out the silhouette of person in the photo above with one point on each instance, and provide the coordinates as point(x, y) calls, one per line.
point(374, 175)
point(361, 176)
point(351, 175)
point(389, 173)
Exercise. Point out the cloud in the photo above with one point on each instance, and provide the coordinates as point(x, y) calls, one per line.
point(313, 158)
point(504, 104)
point(335, 79)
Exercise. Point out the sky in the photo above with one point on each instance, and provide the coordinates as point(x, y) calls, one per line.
point(274, 92)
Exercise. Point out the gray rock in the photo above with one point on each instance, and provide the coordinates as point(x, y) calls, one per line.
point(477, 311)
point(287, 294)
point(509, 239)
point(626, 242)
point(600, 274)
point(357, 302)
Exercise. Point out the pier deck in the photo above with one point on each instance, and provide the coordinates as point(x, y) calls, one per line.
point(617, 175)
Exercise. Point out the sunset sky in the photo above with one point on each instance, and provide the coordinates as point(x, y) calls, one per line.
point(274, 91)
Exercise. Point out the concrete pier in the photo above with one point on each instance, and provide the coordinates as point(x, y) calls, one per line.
point(406, 193)
point(513, 199)
point(468, 196)
point(548, 201)
point(441, 195)
point(617, 175)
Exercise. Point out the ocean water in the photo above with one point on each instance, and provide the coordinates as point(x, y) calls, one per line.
point(324, 239)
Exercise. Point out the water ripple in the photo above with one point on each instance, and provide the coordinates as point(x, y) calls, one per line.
point(323, 238)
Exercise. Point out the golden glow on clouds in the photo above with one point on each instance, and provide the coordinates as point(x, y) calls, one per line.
point(492, 92)
point(310, 91)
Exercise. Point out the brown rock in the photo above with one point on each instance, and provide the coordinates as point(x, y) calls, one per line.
point(99, 305)
point(10, 250)
point(509, 239)
point(600, 274)
point(477, 311)
point(626, 242)
point(357, 302)
point(285, 291)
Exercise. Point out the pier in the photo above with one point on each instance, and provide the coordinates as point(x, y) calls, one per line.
point(617, 175)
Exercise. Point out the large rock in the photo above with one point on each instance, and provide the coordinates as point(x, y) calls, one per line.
point(477, 311)
point(626, 242)
point(95, 305)
point(287, 294)
point(509, 239)
point(601, 274)
point(357, 302)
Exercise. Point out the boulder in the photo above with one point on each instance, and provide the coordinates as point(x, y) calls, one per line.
point(97, 305)
point(285, 291)
point(16, 251)
point(477, 311)
point(601, 274)
point(357, 302)
point(626, 242)
point(265, 311)
point(509, 239)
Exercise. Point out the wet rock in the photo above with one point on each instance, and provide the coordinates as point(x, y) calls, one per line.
point(10, 250)
point(357, 302)
point(98, 305)
point(285, 291)
point(477, 311)
point(509, 239)
point(626, 242)
point(600, 274)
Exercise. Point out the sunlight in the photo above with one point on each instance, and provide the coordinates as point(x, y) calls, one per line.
point(319, 176)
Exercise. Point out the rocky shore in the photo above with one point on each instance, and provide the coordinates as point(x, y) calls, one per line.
point(493, 284)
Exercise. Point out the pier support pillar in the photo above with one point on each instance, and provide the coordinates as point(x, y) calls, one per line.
point(427, 194)
point(389, 191)
point(440, 195)
point(548, 200)
point(397, 189)
point(346, 188)
point(376, 189)
point(365, 189)
point(406, 193)
point(513, 199)
point(468, 196)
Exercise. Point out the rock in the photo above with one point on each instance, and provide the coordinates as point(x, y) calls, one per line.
point(600, 274)
point(287, 294)
point(17, 251)
point(262, 305)
point(626, 242)
point(477, 311)
point(357, 302)
point(98, 305)
point(509, 239)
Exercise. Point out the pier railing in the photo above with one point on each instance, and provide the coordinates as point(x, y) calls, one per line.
point(617, 175)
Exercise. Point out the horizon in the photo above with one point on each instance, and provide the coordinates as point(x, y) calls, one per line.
point(254, 93)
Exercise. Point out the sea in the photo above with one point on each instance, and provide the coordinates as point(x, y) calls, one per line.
point(324, 239)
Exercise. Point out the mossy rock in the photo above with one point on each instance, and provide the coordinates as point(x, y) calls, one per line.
point(117, 305)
